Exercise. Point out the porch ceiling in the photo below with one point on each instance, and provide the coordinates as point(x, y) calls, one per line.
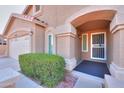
point(93, 16)
point(98, 24)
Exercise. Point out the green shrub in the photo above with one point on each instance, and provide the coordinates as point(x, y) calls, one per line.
point(48, 69)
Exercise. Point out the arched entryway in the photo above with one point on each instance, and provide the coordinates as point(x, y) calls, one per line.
point(94, 35)
point(94, 41)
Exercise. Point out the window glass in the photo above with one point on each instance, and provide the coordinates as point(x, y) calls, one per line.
point(84, 42)
point(37, 8)
point(4, 42)
point(50, 44)
point(0, 41)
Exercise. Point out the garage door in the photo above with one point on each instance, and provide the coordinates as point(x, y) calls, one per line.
point(19, 46)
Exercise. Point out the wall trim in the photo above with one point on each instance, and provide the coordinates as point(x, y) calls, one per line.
point(117, 28)
point(89, 9)
point(117, 71)
point(70, 63)
point(66, 34)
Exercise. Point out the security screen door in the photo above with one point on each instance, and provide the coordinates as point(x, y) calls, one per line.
point(98, 46)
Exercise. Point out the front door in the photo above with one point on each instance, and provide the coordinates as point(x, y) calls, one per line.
point(98, 46)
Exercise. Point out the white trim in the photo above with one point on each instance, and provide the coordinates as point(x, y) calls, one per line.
point(104, 46)
point(86, 43)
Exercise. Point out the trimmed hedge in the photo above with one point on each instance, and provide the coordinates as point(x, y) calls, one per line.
point(48, 69)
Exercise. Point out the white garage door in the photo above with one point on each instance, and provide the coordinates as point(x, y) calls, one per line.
point(19, 46)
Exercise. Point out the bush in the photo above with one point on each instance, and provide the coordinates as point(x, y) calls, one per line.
point(48, 69)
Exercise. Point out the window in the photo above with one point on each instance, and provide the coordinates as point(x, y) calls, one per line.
point(37, 8)
point(4, 42)
point(84, 42)
point(0, 41)
point(50, 44)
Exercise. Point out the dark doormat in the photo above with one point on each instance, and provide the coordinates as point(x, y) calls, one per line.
point(93, 68)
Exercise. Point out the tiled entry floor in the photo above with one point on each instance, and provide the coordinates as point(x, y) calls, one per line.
point(93, 68)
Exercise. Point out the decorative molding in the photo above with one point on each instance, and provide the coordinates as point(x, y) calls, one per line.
point(17, 34)
point(70, 64)
point(66, 34)
point(117, 71)
point(117, 28)
point(89, 9)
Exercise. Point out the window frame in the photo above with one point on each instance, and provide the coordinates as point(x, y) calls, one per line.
point(51, 42)
point(86, 43)
point(38, 12)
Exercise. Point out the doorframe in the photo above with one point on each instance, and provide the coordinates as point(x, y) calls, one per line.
point(105, 51)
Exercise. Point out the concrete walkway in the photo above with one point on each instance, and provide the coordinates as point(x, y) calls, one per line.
point(6, 62)
point(87, 81)
point(23, 82)
point(84, 80)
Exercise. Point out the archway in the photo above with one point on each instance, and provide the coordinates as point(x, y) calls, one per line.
point(93, 35)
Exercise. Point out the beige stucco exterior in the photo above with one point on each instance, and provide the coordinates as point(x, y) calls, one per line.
point(118, 48)
point(19, 28)
point(39, 39)
point(3, 51)
point(52, 15)
point(3, 46)
point(67, 24)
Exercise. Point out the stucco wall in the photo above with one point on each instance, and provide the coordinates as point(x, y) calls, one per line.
point(69, 46)
point(49, 15)
point(18, 24)
point(75, 48)
point(122, 48)
point(39, 39)
point(68, 10)
point(56, 15)
point(63, 46)
point(118, 48)
point(3, 50)
point(109, 47)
